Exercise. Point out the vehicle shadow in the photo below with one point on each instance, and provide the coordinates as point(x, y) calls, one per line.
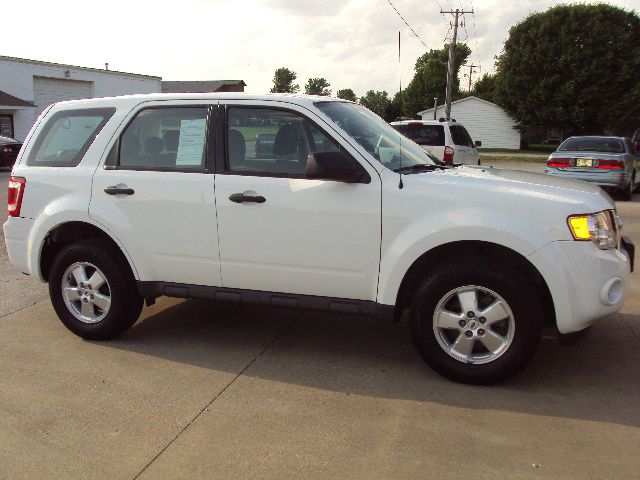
point(595, 379)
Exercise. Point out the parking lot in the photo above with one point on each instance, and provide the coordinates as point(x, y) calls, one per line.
point(198, 390)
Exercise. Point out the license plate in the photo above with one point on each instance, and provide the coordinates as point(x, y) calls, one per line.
point(584, 162)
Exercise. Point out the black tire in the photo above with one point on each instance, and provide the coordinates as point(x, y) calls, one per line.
point(126, 303)
point(627, 193)
point(516, 291)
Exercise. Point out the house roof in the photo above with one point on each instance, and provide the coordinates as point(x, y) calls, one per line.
point(7, 100)
point(62, 65)
point(471, 97)
point(197, 86)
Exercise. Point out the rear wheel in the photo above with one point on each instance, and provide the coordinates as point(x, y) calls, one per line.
point(94, 296)
point(476, 322)
point(627, 193)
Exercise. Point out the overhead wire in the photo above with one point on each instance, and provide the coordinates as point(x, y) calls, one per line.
point(407, 24)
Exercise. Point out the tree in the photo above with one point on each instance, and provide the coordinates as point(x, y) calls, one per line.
point(347, 94)
point(574, 67)
point(317, 86)
point(485, 88)
point(377, 102)
point(394, 110)
point(283, 81)
point(430, 79)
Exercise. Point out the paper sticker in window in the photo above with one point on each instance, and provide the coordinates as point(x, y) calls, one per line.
point(191, 146)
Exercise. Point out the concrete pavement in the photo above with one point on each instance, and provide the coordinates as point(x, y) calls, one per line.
point(198, 390)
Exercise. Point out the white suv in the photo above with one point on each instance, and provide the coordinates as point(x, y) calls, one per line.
point(448, 140)
point(115, 201)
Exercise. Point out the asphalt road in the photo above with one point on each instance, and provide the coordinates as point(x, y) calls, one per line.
point(198, 390)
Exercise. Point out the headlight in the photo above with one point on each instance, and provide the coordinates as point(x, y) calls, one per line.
point(601, 228)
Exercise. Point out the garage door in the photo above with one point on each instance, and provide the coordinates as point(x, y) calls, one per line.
point(51, 90)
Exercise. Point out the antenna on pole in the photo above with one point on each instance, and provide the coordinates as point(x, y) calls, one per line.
point(400, 184)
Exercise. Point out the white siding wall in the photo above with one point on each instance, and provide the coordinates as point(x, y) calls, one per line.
point(16, 78)
point(484, 121)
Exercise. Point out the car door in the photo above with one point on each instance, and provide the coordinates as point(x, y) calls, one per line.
point(155, 193)
point(293, 234)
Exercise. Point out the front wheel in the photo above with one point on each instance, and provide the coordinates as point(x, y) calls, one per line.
point(93, 293)
point(476, 322)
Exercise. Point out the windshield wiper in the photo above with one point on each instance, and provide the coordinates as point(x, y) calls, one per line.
point(425, 167)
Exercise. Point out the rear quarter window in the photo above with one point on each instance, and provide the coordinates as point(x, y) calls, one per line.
point(460, 136)
point(66, 136)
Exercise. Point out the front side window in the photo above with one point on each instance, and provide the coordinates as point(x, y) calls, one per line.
point(171, 138)
point(272, 142)
point(387, 145)
point(66, 137)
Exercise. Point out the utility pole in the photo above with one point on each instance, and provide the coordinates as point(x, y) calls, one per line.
point(471, 67)
point(452, 58)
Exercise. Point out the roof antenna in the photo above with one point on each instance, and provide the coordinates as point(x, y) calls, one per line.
point(400, 184)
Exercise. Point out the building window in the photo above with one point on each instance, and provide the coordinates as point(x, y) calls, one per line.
point(6, 126)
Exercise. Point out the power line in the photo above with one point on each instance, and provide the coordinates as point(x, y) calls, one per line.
point(407, 24)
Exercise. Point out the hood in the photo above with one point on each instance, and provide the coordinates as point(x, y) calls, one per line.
point(521, 180)
point(525, 189)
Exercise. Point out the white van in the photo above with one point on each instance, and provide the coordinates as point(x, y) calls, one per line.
point(447, 140)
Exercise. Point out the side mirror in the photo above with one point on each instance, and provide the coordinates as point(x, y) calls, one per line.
point(478, 143)
point(335, 166)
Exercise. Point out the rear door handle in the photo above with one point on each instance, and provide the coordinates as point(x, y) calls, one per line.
point(241, 197)
point(114, 190)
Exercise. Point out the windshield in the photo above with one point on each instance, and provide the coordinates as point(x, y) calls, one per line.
point(592, 144)
point(380, 139)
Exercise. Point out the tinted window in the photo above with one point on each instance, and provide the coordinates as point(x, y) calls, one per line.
point(432, 135)
point(66, 137)
point(273, 142)
point(165, 138)
point(460, 136)
point(592, 144)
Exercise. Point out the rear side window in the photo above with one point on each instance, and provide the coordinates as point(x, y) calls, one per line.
point(460, 136)
point(431, 135)
point(66, 137)
point(171, 138)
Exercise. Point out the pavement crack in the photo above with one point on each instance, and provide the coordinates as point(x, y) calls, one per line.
point(218, 395)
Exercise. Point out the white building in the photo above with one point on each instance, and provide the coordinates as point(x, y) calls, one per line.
point(27, 87)
point(485, 121)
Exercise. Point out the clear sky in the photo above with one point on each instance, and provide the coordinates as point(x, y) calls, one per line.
point(352, 43)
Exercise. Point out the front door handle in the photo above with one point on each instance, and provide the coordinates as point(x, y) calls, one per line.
point(115, 190)
point(241, 197)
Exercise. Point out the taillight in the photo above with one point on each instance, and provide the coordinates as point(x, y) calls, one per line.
point(7, 149)
point(257, 145)
point(558, 162)
point(611, 164)
point(16, 192)
point(448, 155)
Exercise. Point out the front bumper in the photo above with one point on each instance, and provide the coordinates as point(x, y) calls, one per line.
point(603, 178)
point(585, 283)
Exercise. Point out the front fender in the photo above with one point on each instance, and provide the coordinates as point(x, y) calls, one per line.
point(402, 248)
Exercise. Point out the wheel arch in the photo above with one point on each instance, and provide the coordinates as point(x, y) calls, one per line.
point(70, 232)
point(481, 249)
